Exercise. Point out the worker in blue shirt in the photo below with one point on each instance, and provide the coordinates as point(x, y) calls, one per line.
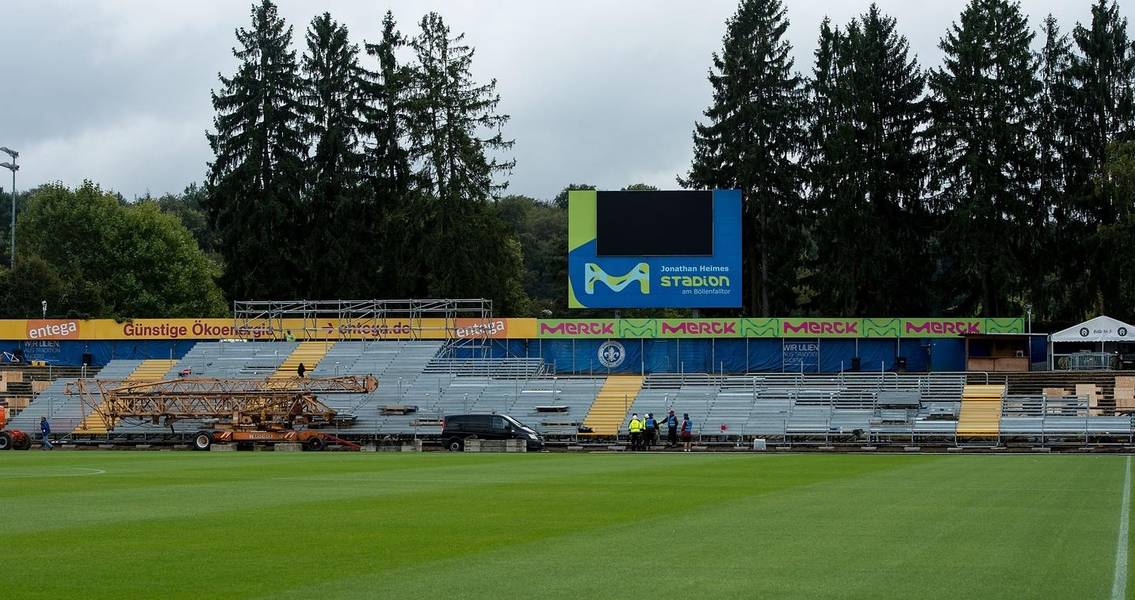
point(45, 429)
point(651, 433)
point(671, 430)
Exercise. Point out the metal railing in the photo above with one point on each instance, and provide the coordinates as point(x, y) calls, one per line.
point(1085, 361)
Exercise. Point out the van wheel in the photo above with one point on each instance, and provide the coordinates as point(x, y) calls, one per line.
point(455, 445)
point(202, 440)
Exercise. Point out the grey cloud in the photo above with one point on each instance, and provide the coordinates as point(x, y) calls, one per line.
point(117, 91)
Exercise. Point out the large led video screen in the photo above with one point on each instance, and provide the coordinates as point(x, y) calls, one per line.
point(659, 249)
point(681, 223)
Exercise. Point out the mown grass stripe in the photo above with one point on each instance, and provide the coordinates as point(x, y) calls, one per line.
point(1119, 582)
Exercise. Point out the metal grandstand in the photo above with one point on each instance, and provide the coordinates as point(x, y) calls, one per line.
point(422, 382)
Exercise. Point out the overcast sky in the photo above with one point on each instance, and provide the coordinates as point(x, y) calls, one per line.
point(602, 92)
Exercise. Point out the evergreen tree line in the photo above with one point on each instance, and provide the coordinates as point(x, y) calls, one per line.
point(359, 172)
point(1000, 180)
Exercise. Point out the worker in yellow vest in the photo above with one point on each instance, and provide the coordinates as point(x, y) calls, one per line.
point(636, 426)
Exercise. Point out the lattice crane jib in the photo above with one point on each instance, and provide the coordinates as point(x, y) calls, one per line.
point(238, 403)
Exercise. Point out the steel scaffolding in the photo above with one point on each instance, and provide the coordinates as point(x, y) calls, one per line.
point(380, 319)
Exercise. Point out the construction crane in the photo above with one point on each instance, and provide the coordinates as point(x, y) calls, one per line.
point(242, 411)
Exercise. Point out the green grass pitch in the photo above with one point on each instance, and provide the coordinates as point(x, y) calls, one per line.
point(342, 525)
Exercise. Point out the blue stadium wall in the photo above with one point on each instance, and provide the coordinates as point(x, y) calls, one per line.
point(637, 355)
point(71, 352)
point(737, 355)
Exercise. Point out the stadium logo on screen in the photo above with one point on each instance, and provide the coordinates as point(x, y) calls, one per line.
point(612, 354)
point(617, 283)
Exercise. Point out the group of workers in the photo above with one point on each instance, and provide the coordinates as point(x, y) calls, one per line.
point(645, 431)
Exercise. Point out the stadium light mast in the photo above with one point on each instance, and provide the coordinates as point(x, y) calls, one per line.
point(13, 167)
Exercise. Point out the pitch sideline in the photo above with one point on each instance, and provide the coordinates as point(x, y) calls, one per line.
point(1119, 583)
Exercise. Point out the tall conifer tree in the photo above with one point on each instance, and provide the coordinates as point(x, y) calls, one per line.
point(752, 139)
point(385, 207)
point(455, 138)
point(1055, 282)
point(331, 102)
point(257, 175)
point(867, 170)
point(1103, 72)
point(983, 129)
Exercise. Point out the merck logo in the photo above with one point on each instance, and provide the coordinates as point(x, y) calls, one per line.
point(822, 327)
point(940, 327)
point(578, 328)
point(700, 328)
point(640, 273)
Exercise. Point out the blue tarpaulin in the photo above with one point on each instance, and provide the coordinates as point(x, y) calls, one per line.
point(71, 352)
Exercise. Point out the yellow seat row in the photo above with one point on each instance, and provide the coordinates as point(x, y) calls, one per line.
point(611, 404)
point(981, 410)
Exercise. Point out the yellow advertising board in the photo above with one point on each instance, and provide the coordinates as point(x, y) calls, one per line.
point(499, 328)
point(213, 329)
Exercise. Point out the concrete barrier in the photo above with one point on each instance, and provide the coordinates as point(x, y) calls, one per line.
point(288, 447)
point(222, 448)
point(477, 445)
point(407, 446)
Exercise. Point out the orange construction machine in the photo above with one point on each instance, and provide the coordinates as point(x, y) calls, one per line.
point(239, 411)
point(12, 439)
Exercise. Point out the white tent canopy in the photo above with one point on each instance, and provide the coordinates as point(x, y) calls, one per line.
point(1099, 329)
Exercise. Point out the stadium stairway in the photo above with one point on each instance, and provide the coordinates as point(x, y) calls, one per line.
point(148, 370)
point(610, 407)
point(308, 353)
point(980, 414)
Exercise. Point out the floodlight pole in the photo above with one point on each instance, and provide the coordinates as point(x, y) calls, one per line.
point(13, 167)
point(13, 230)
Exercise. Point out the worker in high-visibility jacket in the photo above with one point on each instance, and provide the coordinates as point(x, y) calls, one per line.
point(636, 426)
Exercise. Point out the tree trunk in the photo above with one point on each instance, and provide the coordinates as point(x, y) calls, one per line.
point(764, 264)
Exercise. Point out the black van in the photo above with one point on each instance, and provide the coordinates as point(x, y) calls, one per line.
point(456, 428)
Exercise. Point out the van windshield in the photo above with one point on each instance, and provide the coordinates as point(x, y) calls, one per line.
point(518, 424)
